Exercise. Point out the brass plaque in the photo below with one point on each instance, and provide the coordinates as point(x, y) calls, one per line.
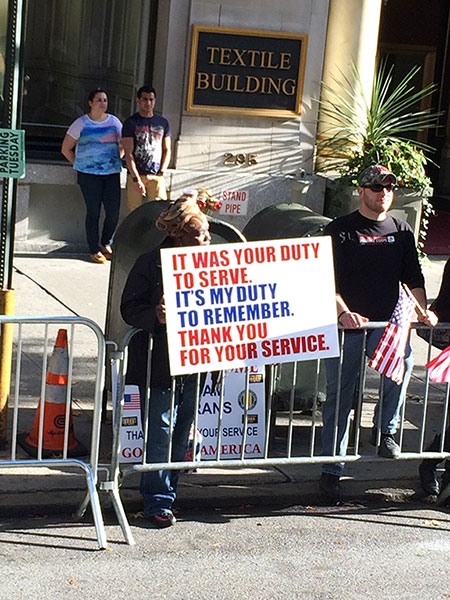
point(246, 71)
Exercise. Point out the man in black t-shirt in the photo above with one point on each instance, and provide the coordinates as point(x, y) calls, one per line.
point(374, 253)
point(146, 140)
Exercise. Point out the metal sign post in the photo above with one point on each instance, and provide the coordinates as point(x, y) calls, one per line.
point(11, 121)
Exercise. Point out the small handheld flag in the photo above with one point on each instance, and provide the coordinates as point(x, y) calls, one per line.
point(439, 367)
point(389, 355)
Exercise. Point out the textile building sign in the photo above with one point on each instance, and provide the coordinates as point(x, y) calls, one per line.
point(246, 71)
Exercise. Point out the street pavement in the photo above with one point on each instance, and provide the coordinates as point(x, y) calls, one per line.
point(68, 286)
point(261, 553)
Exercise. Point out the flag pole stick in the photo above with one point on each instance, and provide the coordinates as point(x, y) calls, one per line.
point(419, 308)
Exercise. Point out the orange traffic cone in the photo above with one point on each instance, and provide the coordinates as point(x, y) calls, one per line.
point(54, 409)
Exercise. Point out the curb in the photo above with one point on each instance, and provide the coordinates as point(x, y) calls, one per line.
point(57, 501)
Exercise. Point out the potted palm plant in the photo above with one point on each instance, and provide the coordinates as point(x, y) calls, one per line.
point(357, 132)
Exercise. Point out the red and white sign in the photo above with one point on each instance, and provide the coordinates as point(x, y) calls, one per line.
point(234, 202)
point(234, 305)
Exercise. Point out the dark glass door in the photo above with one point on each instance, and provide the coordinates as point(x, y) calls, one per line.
point(74, 46)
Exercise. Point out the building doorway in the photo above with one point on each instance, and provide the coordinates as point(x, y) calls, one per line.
point(74, 46)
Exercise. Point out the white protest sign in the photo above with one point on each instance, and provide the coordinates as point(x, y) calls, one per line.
point(234, 305)
point(131, 434)
point(233, 416)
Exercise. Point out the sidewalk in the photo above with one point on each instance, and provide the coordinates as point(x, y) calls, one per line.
point(49, 285)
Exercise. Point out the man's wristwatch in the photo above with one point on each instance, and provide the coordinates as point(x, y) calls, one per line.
point(344, 312)
point(135, 179)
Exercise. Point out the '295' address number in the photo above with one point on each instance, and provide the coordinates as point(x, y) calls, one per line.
point(240, 159)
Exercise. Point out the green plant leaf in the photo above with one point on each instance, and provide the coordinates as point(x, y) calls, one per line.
point(357, 132)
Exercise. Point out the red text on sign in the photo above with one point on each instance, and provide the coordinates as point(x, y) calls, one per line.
point(184, 280)
point(239, 351)
point(233, 209)
point(251, 255)
point(195, 356)
point(234, 196)
point(211, 259)
point(197, 337)
point(223, 277)
point(178, 261)
point(293, 345)
point(252, 331)
point(132, 452)
point(298, 251)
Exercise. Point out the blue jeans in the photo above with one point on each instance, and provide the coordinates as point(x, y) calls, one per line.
point(159, 488)
point(98, 190)
point(393, 395)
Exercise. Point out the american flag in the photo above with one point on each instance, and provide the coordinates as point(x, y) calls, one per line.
point(132, 401)
point(389, 356)
point(439, 367)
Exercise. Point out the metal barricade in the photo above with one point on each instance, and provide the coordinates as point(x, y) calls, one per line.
point(300, 440)
point(30, 382)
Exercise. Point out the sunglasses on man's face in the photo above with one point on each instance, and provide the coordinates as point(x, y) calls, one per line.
point(379, 187)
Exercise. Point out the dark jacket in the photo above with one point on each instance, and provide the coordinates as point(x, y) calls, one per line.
point(142, 293)
point(441, 305)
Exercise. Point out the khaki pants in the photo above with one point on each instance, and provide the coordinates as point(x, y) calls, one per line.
point(155, 187)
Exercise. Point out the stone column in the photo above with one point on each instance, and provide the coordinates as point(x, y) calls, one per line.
point(352, 37)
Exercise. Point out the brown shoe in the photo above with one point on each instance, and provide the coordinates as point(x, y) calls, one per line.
point(98, 257)
point(107, 252)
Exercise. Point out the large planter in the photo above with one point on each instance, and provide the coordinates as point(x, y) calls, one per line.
point(342, 200)
point(284, 220)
